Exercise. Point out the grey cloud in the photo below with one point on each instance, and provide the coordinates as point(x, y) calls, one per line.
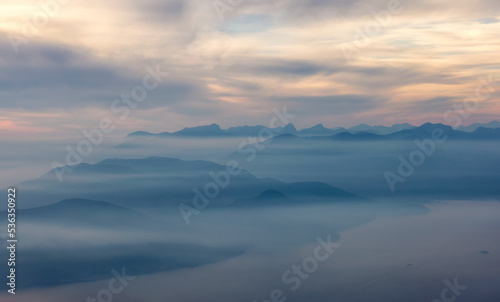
point(489, 21)
point(298, 68)
point(47, 76)
point(335, 104)
point(272, 67)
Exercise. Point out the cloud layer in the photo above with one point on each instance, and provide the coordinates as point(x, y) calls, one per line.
point(337, 62)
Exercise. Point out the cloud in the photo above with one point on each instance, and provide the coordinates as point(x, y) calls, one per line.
point(56, 76)
point(264, 54)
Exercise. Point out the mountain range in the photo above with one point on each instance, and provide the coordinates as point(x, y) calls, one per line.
point(422, 132)
point(473, 127)
point(163, 182)
point(215, 130)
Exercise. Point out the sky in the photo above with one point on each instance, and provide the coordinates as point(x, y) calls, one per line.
point(64, 63)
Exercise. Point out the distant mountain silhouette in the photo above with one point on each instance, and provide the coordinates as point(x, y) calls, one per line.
point(158, 182)
point(246, 130)
point(271, 194)
point(466, 168)
point(424, 131)
point(427, 129)
point(381, 130)
point(319, 130)
point(360, 132)
point(214, 130)
point(362, 128)
point(142, 133)
point(207, 131)
point(299, 193)
point(84, 212)
point(486, 133)
point(304, 189)
point(287, 129)
point(267, 198)
point(400, 131)
point(473, 127)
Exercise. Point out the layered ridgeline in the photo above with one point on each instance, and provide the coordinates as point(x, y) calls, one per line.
point(426, 163)
point(462, 164)
point(167, 182)
point(94, 221)
point(99, 218)
point(215, 130)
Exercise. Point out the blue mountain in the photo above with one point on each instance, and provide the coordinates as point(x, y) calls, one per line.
point(319, 130)
point(159, 182)
point(381, 130)
point(473, 127)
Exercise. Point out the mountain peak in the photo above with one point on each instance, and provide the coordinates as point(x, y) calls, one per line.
point(290, 127)
point(318, 127)
point(271, 194)
point(428, 126)
point(140, 133)
point(207, 130)
point(214, 125)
